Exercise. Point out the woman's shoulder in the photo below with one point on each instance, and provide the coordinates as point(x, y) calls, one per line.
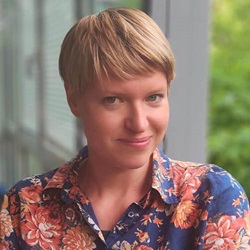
point(207, 180)
point(196, 177)
point(210, 172)
point(34, 180)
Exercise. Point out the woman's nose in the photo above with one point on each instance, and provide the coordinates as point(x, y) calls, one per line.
point(136, 120)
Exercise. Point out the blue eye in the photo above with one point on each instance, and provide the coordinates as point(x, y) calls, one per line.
point(110, 99)
point(154, 98)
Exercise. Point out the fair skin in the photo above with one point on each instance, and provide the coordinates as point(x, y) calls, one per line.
point(124, 121)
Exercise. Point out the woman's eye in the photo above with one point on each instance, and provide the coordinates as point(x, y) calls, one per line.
point(154, 98)
point(111, 99)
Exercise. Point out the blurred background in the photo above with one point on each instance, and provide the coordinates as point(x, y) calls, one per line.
point(209, 99)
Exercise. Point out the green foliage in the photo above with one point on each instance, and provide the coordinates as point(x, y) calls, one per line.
point(229, 110)
point(132, 3)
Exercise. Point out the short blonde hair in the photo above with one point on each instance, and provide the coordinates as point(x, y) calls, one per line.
point(121, 42)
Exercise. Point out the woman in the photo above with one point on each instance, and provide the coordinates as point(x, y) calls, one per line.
point(120, 191)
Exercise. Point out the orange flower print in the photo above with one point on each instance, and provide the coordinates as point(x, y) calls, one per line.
point(76, 238)
point(224, 234)
point(124, 245)
point(236, 202)
point(247, 219)
point(143, 236)
point(143, 248)
point(59, 177)
point(157, 221)
point(187, 179)
point(204, 215)
point(191, 181)
point(6, 245)
point(185, 214)
point(12, 200)
point(73, 191)
point(42, 228)
point(157, 203)
point(32, 194)
point(5, 224)
point(146, 219)
point(73, 179)
point(246, 236)
point(178, 173)
point(71, 216)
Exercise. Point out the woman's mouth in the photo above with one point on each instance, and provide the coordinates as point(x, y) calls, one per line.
point(142, 142)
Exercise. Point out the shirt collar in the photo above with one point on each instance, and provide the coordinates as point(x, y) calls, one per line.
point(162, 179)
point(65, 178)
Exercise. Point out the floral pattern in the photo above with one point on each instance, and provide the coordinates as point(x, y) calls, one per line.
point(42, 226)
point(77, 238)
point(5, 224)
point(190, 206)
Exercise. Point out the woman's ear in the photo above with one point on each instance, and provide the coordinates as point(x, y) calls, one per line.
point(72, 99)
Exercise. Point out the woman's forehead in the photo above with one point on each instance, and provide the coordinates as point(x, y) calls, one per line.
point(155, 80)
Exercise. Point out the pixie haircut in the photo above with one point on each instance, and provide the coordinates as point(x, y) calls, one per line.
point(118, 42)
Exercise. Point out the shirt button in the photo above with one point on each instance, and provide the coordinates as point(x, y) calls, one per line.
point(131, 214)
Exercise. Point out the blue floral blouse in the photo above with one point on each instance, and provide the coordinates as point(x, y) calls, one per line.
point(190, 206)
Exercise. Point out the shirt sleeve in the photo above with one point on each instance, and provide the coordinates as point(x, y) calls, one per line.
point(228, 224)
point(9, 216)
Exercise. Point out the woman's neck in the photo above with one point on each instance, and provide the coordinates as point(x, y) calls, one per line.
point(112, 191)
point(102, 181)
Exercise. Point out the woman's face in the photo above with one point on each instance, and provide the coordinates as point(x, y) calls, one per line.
point(124, 120)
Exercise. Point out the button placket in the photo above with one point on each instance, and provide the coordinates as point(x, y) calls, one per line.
point(128, 220)
point(133, 216)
